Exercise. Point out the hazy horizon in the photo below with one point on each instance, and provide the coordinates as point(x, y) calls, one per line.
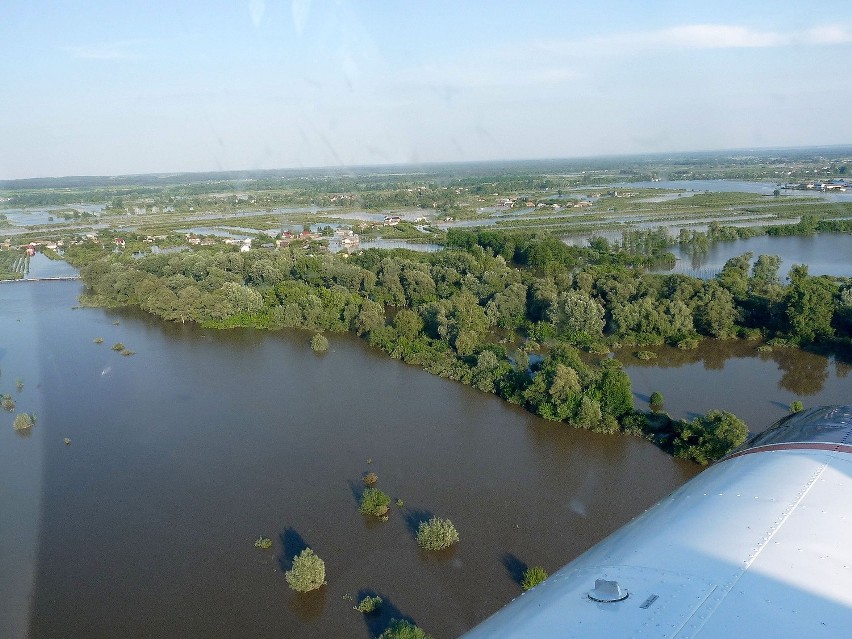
point(356, 168)
point(97, 88)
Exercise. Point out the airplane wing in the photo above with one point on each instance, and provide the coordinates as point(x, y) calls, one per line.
point(759, 544)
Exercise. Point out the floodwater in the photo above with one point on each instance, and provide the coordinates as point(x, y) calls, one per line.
point(48, 215)
point(733, 375)
point(186, 452)
point(824, 253)
point(183, 454)
point(422, 247)
point(735, 186)
point(41, 266)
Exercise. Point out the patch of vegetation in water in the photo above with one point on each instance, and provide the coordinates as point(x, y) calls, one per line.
point(307, 573)
point(374, 502)
point(24, 421)
point(369, 605)
point(533, 576)
point(264, 543)
point(436, 534)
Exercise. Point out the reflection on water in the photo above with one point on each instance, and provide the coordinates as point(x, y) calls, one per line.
point(733, 375)
point(820, 252)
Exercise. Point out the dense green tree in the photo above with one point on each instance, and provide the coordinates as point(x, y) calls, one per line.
point(407, 323)
point(809, 306)
point(711, 437)
point(486, 371)
point(649, 320)
point(614, 390)
point(507, 309)
point(577, 317)
point(734, 275)
point(715, 312)
point(370, 317)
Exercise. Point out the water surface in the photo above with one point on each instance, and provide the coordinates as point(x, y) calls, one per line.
point(824, 253)
point(186, 452)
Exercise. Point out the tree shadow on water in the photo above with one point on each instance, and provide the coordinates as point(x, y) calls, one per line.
point(414, 516)
point(642, 397)
point(515, 567)
point(378, 621)
point(292, 543)
point(357, 488)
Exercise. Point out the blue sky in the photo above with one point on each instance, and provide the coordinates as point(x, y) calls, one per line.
point(104, 88)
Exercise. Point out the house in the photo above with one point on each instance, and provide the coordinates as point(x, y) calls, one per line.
point(392, 220)
point(119, 242)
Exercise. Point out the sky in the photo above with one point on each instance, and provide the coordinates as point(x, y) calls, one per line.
point(109, 88)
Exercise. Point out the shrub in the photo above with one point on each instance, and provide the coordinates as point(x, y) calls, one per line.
point(688, 343)
point(400, 503)
point(656, 401)
point(118, 346)
point(374, 502)
point(370, 479)
point(369, 605)
point(127, 352)
point(23, 421)
point(307, 573)
point(635, 424)
point(19, 384)
point(645, 354)
point(796, 406)
point(436, 534)
point(264, 543)
point(99, 340)
point(319, 343)
point(7, 401)
point(401, 629)
point(533, 576)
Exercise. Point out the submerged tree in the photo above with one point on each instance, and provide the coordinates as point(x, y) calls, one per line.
point(307, 573)
point(436, 534)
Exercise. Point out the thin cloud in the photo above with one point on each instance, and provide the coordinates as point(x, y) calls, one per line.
point(101, 51)
point(832, 34)
point(716, 36)
point(699, 36)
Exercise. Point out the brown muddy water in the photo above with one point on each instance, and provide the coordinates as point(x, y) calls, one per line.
point(186, 452)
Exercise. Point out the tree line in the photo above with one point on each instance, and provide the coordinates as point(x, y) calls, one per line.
point(508, 313)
